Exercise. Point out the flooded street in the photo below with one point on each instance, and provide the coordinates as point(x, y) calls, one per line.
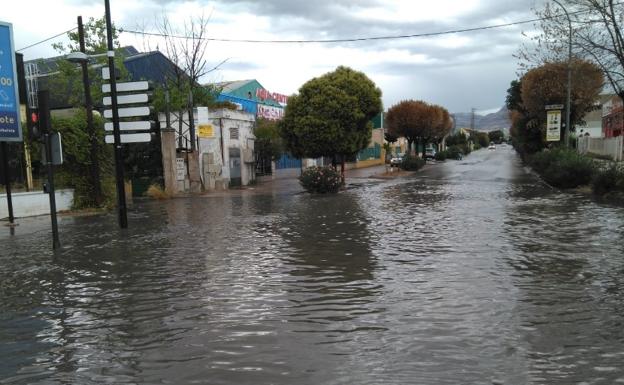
point(468, 272)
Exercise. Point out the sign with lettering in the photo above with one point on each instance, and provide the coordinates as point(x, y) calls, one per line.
point(553, 126)
point(10, 125)
point(205, 131)
point(270, 112)
point(263, 94)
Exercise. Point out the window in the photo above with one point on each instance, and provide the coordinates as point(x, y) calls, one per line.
point(233, 132)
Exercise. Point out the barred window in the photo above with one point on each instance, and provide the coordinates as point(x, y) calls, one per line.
point(234, 133)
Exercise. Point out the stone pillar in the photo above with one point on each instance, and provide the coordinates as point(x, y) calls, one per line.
point(193, 167)
point(168, 147)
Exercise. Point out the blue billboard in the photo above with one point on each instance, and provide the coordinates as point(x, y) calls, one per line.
point(10, 127)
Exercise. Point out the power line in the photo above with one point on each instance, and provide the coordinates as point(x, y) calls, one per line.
point(47, 39)
point(346, 40)
point(357, 39)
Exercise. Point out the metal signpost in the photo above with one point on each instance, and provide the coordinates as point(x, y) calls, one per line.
point(10, 126)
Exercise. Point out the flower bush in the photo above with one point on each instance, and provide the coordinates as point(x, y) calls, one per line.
point(320, 180)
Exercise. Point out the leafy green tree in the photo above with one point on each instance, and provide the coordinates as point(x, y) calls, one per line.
point(331, 115)
point(66, 88)
point(268, 145)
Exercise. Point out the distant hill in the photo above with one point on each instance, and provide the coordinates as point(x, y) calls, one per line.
point(490, 122)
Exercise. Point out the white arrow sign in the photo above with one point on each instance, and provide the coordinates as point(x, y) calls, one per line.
point(127, 87)
point(128, 112)
point(130, 126)
point(129, 138)
point(126, 99)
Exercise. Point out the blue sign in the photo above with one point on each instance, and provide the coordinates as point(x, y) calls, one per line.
point(10, 127)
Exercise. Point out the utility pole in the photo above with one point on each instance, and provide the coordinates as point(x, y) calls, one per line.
point(119, 167)
point(472, 119)
point(566, 133)
point(94, 167)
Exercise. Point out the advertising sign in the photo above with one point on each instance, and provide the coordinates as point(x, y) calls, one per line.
point(10, 127)
point(553, 126)
point(270, 112)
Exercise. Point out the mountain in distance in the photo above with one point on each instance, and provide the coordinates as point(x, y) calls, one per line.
point(490, 122)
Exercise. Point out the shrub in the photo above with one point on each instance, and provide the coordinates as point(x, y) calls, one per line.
point(454, 152)
point(563, 167)
point(412, 163)
point(321, 180)
point(608, 179)
point(441, 155)
point(155, 191)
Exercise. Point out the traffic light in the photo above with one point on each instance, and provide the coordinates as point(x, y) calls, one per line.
point(34, 131)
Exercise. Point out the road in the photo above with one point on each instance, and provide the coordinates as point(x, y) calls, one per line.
point(471, 272)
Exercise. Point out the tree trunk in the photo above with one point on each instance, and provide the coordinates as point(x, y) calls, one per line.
point(342, 169)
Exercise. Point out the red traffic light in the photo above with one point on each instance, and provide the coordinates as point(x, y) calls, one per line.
point(34, 117)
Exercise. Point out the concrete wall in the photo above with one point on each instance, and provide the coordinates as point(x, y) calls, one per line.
point(613, 147)
point(28, 204)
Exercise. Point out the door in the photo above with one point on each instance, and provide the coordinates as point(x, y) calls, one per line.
point(235, 167)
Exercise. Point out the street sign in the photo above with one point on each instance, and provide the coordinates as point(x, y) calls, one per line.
point(142, 125)
point(10, 125)
point(553, 126)
point(126, 99)
point(127, 87)
point(130, 138)
point(554, 107)
point(128, 112)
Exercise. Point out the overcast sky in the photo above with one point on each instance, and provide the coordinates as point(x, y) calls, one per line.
point(458, 71)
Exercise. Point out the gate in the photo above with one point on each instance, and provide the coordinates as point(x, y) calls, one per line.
point(235, 167)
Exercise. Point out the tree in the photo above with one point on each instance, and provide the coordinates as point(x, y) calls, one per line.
point(597, 36)
point(418, 122)
point(268, 145)
point(331, 115)
point(66, 87)
point(496, 136)
point(188, 66)
point(546, 85)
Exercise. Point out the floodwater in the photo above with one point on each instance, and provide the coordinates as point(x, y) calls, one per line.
point(470, 272)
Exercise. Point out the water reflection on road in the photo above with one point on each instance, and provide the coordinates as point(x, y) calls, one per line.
point(469, 272)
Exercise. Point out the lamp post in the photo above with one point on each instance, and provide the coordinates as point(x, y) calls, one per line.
point(94, 168)
point(566, 133)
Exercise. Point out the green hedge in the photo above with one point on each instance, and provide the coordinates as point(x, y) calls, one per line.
point(563, 168)
point(412, 163)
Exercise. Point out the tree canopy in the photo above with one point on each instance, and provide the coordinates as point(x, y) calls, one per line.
point(418, 121)
point(544, 85)
point(331, 115)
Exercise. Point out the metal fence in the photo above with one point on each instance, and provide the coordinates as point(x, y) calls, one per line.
point(370, 153)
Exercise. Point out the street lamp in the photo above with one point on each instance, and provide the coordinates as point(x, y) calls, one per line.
point(567, 128)
point(83, 59)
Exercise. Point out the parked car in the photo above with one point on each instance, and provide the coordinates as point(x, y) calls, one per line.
point(492, 147)
point(397, 160)
point(430, 153)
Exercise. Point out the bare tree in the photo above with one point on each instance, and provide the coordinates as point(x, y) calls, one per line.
point(596, 36)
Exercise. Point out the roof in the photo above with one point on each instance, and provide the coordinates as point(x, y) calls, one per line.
point(233, 85)
point(48, 65)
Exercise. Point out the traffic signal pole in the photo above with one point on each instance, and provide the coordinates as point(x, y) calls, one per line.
point(46, 127)
point(119, 169)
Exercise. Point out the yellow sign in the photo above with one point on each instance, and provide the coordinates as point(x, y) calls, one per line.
point(206, 131)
